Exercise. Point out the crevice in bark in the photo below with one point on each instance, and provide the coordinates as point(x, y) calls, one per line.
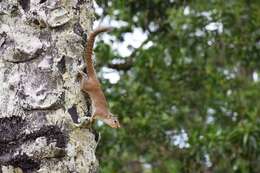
point(73, 113)
point(10, 129)
point(42, 1)
point(25, 4)
point(97, 135)
point(77, 29)
point(12, 132)
point(2, 38)
point(13, 135)
point(81, 2)
point(26, 163)
point(36, 22)
point(20, 61)
point(62, 65)
point(53, 133)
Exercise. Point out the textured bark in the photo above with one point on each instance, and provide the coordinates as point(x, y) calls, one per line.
point(41, 45)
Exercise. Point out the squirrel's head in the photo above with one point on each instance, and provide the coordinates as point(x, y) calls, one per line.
point(112, 121)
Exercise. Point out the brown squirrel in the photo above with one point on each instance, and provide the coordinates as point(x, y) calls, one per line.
point(90, 84)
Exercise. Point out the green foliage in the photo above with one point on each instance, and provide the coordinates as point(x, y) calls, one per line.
point(192, 80)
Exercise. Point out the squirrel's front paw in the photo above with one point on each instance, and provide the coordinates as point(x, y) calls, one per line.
point(84, 121)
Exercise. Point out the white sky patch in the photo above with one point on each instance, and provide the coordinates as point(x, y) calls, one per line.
point(199, 33)
point(116, 12)
point(153, 26)
point(226, 111)
point(110, 74)
point(210, 42)
point(211, 111)
point(98, 9)
point(258, 44)
point(174, 109)
point(255, 77)
point(109, 3)
point(179, 139)
point(131, 40)
point(207, 161)
point(108, 21)
point(215, 26)
point(185, 26)
point(207, 14)
point(135, 18)
point(147, 166)
point(229, 74)
point(229, 92)
point(148, 45)
point(100, 123)
point(167, 57)
point(117, 61)
point(136, 38)
point(186, 11)
point(187, 60)
point(210, 117)
point(234, 117)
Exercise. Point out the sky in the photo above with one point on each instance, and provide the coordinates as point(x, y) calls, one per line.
point(131, 40)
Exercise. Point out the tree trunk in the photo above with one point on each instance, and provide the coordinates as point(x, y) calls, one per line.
point(41, 45)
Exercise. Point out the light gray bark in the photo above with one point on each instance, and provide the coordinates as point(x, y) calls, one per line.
point(41, 46)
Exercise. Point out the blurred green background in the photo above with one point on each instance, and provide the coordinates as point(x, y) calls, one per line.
point(188, 96)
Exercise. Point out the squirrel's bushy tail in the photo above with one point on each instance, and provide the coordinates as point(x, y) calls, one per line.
point(89, 49)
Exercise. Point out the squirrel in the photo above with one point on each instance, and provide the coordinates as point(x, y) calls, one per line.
point(90, 84)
